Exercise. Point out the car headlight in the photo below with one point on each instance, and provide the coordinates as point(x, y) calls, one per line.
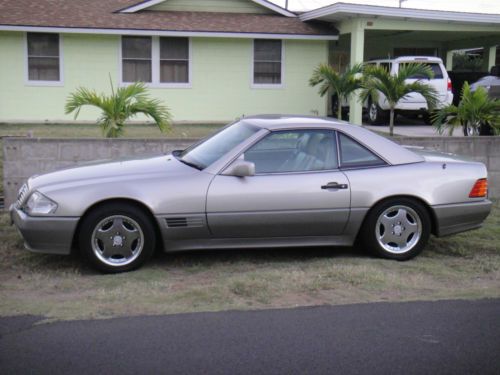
point(39, 204)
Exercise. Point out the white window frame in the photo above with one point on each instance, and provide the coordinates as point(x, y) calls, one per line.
point(27, 80)
point(155, 66)
point(280, 85)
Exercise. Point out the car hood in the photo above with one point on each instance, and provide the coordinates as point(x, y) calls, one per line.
point(117, 170)
point(437, 156)
point(486, 82)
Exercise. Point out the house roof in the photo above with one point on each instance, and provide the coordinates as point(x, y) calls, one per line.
point(264, 3)
point(98, 16)
point(342, 11)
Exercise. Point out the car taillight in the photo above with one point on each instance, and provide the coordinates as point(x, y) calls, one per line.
point(480, 189)
point(450, 87)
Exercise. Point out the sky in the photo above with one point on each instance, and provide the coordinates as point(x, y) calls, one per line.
point(478, 6)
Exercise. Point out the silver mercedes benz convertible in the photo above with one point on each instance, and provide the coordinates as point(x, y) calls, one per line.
point(264, 181)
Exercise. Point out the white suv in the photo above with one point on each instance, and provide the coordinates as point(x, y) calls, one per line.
point(414, 104)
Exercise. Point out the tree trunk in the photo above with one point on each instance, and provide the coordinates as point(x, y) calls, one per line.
point(391, 122)
point(339, 109)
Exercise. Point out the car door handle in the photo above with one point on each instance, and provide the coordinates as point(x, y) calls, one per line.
point(334, 185)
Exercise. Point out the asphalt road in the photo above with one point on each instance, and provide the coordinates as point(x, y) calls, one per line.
point(447, 337)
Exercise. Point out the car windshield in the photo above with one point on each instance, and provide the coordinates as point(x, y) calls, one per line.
point(204, 153)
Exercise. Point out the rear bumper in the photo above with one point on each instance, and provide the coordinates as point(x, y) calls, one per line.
point(50, 235)
point(455, 218)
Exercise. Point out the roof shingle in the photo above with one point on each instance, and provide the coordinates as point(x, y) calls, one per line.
point(99, 14)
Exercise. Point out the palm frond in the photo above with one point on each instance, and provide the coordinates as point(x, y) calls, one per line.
point(475, 108)
point(123, 103)
point(414, 70)
point(155, 109)
point(343, 84)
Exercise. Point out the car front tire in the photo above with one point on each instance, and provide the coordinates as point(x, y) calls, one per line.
point(397, 229)
point(116, 237)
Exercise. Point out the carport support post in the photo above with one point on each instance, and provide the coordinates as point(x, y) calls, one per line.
point(357, 56)
point(490, 55)
point(449, 60)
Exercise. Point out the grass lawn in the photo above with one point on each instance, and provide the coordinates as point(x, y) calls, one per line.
point(93, 131)
point(61, 287)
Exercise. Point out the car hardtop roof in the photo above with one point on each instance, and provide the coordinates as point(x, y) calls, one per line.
point(275, 122)
point(409, 58)
point(387, 149)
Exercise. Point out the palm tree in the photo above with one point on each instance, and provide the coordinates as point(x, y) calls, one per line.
point(475, 109)
point(118, 107)
point(378, 80)
point(342, 84)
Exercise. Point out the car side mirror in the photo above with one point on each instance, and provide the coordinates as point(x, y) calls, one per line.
point(240, 168)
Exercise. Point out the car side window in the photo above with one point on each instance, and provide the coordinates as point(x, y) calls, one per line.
point(294, 151)
point(387, 66)
point(353, 154)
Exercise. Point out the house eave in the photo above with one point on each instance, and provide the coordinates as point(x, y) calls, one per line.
point(213, 34)
point(341, 11)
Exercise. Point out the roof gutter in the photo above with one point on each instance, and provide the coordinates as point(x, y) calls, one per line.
point(208, 34)
point(405, 13)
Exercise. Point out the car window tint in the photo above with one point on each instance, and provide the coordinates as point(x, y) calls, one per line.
point(386, 66)
point(436, 69)
point(352, 154)
point(294, 151)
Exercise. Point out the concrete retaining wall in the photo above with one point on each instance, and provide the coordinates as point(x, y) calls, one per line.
point(24, 157)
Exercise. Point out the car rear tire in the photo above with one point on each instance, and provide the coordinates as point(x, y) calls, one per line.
point(376, 115)
point(397, 229)
point(116, 237)
point(470, 131)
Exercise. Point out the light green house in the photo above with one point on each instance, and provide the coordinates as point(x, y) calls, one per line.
point(209, 60)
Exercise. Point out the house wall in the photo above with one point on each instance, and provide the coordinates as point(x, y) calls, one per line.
point(230, 6)
point(221, 80)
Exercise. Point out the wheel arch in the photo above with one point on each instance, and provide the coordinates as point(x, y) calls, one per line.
point(430, 211)
point(127, 201)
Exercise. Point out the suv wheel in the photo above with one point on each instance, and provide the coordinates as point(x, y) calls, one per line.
point(376, 115)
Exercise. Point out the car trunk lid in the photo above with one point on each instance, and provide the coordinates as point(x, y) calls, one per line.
point(437, 156)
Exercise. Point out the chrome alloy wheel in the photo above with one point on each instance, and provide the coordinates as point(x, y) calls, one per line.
point(373, 112)
point(117, 240)
point(398, 229)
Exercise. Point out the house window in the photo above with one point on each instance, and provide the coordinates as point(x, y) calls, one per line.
point(159, 61)
point(136, 59)
point(43, 57)
point(174, 60)
point(267, 64)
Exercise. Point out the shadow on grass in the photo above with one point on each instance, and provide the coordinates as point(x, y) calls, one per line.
point(75, 263)
point(255, 256)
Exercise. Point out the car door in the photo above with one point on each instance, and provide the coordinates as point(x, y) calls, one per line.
point(297, 189)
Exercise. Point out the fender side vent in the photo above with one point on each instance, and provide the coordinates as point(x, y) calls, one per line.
point(184, 222)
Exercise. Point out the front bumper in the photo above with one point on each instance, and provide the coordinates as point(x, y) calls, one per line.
point(455, 218)
point(50, 235)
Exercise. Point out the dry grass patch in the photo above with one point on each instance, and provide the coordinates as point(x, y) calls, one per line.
point(58, 287)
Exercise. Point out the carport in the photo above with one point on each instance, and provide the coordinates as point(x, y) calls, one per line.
point(368, 32)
